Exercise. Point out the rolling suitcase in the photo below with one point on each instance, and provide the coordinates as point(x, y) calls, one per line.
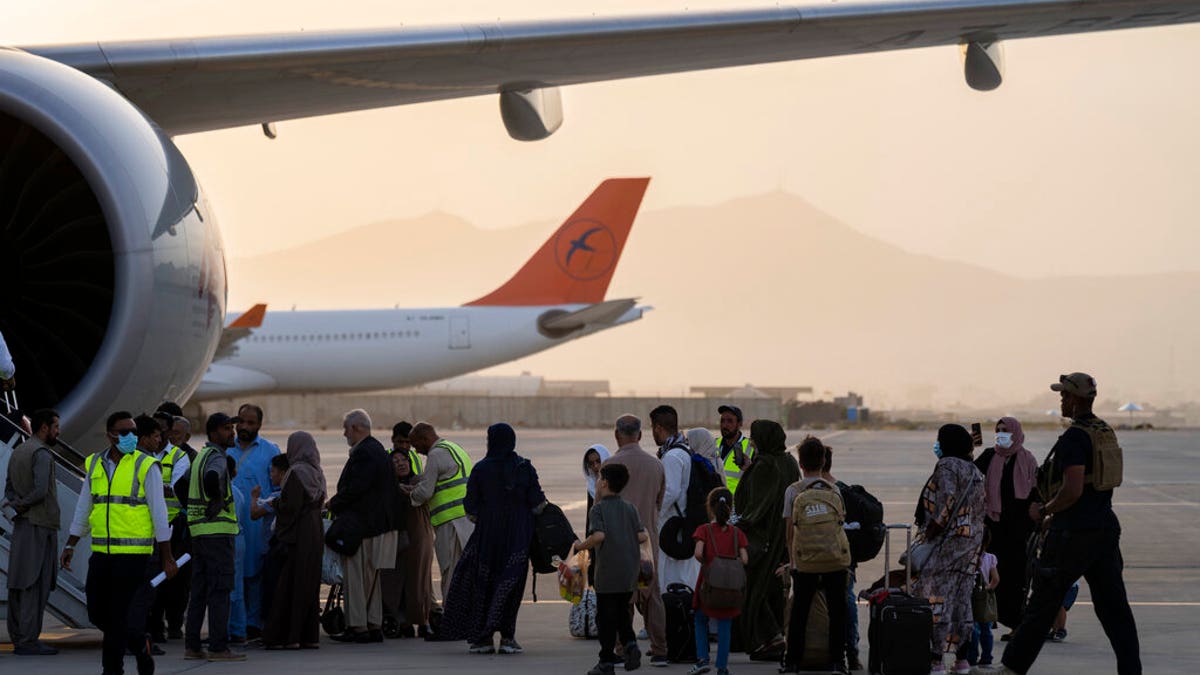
point(900, 626)
point(681, 624)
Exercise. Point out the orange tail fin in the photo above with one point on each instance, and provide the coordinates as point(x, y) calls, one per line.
point(576, 264)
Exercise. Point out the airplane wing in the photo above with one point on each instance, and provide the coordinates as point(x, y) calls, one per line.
point(212, 83)
point(238, 329)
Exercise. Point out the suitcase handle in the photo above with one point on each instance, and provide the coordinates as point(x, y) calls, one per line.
point(887, 555)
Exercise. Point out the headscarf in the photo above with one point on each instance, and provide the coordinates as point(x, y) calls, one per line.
point(768, 437)
point(956, 441)
point(759, 498)
point(1024, 470)
point(702, 443)
point(304, 464)
point(501, 441)
point(591, 480)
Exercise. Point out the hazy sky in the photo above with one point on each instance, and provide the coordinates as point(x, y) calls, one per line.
point(1082, 163)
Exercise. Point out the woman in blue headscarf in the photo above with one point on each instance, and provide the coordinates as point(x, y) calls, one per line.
point(485, 593)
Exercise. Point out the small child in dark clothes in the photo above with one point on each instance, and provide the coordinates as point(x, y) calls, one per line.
point(615, 533)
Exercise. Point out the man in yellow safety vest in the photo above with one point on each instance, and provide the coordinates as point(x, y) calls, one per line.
point(122, 506)
point(170, 598)
point(734, 448)
point(442, 485)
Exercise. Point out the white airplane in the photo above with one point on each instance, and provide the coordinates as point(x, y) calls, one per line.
point(558, 295)
point(113, 271)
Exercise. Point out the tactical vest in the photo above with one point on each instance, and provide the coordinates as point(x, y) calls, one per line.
point(199, 524)
point(819, 542)
point(170, 458)
point(733, 472)
point(120, 519)
point(446, 504)
point(1107, 461)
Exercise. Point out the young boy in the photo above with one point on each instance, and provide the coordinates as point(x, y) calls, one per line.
point(819, 557)
point(615, 532)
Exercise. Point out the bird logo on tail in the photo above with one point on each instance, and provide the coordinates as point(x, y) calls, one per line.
point(585, 249)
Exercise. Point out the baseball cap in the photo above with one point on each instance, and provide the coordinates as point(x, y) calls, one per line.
point(1079, 384)
point(731, 409)
point(218, 420)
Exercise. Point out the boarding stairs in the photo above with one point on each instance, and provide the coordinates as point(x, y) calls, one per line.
point(68, 602)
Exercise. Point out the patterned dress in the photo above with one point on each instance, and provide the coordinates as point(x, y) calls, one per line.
point(949, 574)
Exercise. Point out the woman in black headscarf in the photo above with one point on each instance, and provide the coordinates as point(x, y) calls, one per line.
point(759, 507)
point(950, 514)
point(485, 592)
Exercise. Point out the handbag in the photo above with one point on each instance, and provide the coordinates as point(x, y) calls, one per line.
point(674, 539)
point(344, 535)
point(724, 584)
point(983, 602)
point(583, 616)
point(333, 617)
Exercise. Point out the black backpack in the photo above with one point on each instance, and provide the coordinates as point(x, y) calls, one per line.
point(552, 536)
point(703, 480)
point(863, 508)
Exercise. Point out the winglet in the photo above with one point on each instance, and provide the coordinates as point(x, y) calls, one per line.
point(251, 318)
point(577, 262)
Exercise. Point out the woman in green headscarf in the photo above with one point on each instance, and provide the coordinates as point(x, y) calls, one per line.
point(759, 506)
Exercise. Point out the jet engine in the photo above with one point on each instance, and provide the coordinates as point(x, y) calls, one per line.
point(112, 272)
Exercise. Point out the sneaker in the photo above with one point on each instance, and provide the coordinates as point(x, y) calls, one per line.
point(195, 655)
point(643, 634)
point(1057, 635)
point(510, 646)
point(482, 648)
point(700, 667)
point(961, 667)
point(659, 661)
point(226, 656)
point(633, 656)
point(601, 668)
point(938, 668)
point(998, 669)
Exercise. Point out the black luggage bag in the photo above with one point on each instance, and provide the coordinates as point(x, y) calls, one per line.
point(681, 624)
point(901, 625)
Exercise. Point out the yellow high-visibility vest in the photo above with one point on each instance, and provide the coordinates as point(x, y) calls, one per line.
point(199, 524)
point(170, 458)
point(414, 461)
point(446, 504)
point(733, 472)
point(120, 517)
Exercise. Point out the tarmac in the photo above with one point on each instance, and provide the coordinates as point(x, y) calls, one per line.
point(1159, 508)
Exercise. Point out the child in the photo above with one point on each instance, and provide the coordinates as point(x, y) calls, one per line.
point(615, 532)
point(261, 507)
point(983, 630)
point(819, 558)
point(724, 539)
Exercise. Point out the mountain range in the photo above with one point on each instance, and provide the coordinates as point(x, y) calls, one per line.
point(770, 290)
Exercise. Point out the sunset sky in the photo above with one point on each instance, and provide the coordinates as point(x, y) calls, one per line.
point(1082, 163)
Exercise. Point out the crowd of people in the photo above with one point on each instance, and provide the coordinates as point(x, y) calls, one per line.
point(755, 532)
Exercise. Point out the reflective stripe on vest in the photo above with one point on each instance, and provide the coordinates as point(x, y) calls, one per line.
point(733, 472)
point(199, 524)
point(415, 463)
point(172, 456)
point(446, 504)
point(120, 519)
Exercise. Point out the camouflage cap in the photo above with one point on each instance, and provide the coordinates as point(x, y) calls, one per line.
point(1079, 384)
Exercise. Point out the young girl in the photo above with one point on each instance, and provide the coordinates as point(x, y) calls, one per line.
point(728, 540)
point(983, 630)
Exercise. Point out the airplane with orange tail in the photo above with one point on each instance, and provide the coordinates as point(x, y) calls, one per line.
point(557, 296)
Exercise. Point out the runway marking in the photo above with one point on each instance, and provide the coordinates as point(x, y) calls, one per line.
point(1115, 504)
point(574, 506)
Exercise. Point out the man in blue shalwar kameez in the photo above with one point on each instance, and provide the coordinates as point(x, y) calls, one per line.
point(253, 455)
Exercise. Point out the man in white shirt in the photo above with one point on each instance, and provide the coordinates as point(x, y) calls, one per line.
point(676, 459)
point(8, 369)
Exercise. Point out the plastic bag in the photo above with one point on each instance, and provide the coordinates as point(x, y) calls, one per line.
point(572, 577)
point(331, 562)
point(646, 564)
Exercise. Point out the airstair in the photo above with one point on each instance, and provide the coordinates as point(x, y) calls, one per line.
point(68, 602)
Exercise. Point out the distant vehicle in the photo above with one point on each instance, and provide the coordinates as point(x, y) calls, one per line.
point(558, 295)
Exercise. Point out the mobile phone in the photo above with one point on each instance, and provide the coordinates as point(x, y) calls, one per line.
point(977, 434)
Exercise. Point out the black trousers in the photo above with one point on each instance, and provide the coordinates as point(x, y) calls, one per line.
point(212, 582)
point(118, 598)
point(613, 621)
point(1066, 556)
point(804, 587)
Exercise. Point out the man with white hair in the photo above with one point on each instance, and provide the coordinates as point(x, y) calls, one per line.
point(366, 491)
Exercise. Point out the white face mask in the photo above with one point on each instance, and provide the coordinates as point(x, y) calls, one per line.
point(1004, 439)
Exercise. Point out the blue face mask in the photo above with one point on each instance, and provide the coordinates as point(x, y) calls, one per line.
point(127, 442)
point(937, 449)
